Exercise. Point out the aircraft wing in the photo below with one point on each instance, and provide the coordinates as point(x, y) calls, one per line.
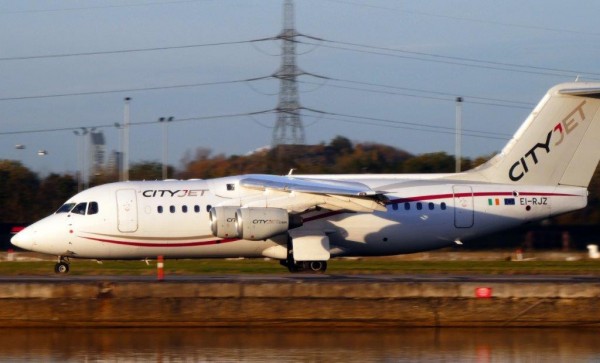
point(291, 184)
point(297, 193)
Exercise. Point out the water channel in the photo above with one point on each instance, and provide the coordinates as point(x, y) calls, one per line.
point(304, 345)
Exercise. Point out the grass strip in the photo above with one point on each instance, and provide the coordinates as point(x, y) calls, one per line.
point(336, 266)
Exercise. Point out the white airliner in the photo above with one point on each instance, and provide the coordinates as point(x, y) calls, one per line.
point(304, 220)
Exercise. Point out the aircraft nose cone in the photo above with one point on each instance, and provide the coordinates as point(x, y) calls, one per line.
point(23, 239)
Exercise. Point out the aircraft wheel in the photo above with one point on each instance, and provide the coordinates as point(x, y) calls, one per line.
point(61, 268)
point(317, 266)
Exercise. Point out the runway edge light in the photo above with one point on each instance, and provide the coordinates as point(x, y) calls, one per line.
point(483, 292)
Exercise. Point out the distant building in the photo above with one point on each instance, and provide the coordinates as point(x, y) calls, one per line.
point(97, 152)
point(114, 162)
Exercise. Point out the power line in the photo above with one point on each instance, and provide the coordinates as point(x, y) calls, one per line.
point(140, 123)
point(133, 50)
point(471, 99)
point(413, 128)
point(417, 126)
point(433, 92)
point(461, 18)
point(507, 64)
point(99, 7)
point(342, 45)
point(363, 120)
point(436, 98)
point(460, 61)
point(127, 90)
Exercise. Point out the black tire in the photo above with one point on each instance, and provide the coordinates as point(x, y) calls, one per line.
point(61, 268)
point(317, 266)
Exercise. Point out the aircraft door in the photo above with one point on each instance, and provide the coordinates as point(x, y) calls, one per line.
point(127, 218)
point(464, 214)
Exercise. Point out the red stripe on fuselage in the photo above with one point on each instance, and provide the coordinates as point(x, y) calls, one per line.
point(179, 244)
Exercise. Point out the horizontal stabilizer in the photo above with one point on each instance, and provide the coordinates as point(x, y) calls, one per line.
point(591, 92)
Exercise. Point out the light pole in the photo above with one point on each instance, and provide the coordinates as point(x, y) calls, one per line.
point(165, 131)
point(80, 157)
point(458, 134)
point(119, 158)
point(126, 116)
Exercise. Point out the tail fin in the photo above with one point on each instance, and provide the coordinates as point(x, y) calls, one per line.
point(558, 144)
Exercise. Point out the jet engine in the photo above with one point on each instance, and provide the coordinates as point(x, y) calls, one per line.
point(222, 222)
point(262, 223)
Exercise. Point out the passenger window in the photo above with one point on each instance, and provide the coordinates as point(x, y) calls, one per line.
point(419, 206)
point(431, 206)
point(184, 208)
point(79, 208)
point(197, 208)
point(395, 206)
point(172, 209)
point(92, 208)
point(208, 208)
point(443, 205)
point(159, 209)
point(406, 206)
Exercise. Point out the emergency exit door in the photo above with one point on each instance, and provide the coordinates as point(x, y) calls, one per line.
point(127, 218)
point(464, 214)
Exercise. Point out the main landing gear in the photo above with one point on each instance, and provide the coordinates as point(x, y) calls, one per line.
point(305, 266)
point(302, 266)
point(62, 266)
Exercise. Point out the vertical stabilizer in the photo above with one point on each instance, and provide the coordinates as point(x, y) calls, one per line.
point(558, 144)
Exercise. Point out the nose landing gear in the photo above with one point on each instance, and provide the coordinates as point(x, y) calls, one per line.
point(62, 266)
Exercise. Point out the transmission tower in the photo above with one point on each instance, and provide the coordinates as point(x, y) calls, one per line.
point(288, 128)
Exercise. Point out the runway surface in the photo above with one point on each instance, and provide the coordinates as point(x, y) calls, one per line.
point(301, 278)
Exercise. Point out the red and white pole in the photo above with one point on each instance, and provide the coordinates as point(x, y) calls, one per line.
point(160, 265)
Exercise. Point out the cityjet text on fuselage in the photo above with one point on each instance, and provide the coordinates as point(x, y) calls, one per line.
point(558, 133)
point(179, 193)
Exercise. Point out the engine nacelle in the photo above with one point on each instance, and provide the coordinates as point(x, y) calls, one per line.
point(222, 222)
point(262, 223)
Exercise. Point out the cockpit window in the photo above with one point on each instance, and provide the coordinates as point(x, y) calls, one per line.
point(65, 208)
point(92, 208)
point(79, 208)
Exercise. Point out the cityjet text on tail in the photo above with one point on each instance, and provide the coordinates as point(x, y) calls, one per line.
point(305, 220)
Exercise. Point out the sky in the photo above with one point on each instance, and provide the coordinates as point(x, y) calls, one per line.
point(387, 71)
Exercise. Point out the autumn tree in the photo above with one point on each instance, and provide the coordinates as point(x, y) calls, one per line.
point(54, 190)
point(18, 192)
point(146, 170)
point(438, 162)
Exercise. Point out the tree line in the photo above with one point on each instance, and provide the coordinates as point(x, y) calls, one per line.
point(26, 197)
